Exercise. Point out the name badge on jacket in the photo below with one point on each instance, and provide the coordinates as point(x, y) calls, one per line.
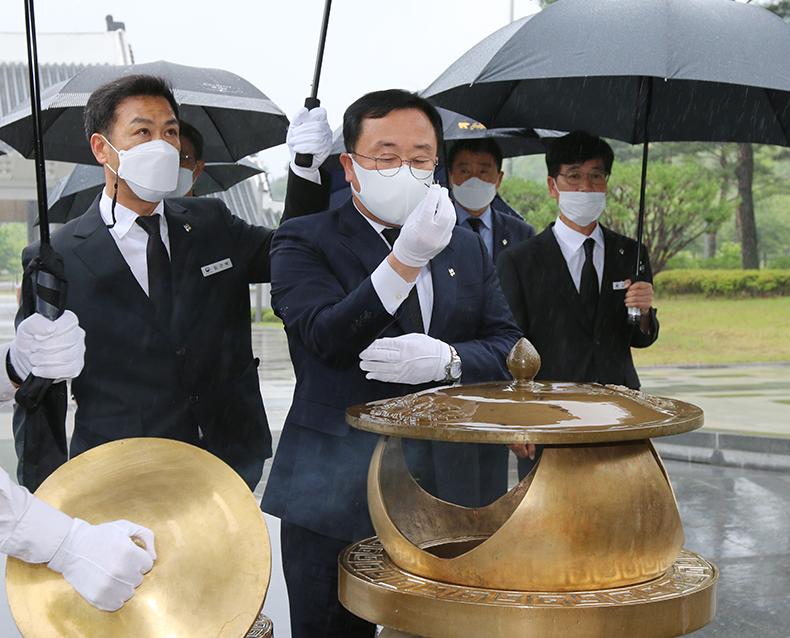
point(217, 266)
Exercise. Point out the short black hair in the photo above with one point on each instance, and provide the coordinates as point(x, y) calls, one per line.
point(476, 145)
point(102, 105)
point(194, 136)
point(577, 147)
point(379, 104)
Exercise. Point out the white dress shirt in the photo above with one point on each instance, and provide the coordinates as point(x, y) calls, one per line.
point(131, 238)
point(392, 289)
point(572, 246)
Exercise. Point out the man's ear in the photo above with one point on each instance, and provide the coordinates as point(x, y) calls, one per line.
point(555, 194)
point(199, 168)
point(348, 167)
point(101, 149)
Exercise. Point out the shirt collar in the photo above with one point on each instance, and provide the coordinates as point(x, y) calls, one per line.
point(124, 217)
point(463, 215)
point(573, 239)
point(377, 226)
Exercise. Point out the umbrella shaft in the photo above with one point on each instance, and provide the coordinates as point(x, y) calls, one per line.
point(319, 58)
point(35, 106)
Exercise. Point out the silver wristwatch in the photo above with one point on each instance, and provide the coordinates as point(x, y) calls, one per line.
point(453, 369)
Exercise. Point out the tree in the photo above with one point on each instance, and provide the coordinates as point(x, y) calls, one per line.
point(13, 239)
point(531, 199)
point(681, 203)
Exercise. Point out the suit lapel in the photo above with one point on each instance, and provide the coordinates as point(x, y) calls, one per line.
point(359, 237)
point(184, 231)
point(98, 251)
point(444, 269)
point(613, 269)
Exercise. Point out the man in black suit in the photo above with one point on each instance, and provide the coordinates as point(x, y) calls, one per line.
point(161, 289)
point(474, 171)
point(569, 286)
point(343, 284)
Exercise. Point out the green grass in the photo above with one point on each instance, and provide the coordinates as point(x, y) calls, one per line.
point(695, 330)
point(268, 318)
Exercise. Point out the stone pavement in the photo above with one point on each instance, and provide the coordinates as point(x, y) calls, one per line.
point(735, 512)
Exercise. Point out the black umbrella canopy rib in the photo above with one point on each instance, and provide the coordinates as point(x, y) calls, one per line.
point(720, 71)
point(234, 117)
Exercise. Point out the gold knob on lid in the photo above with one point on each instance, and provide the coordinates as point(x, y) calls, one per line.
point(523, 361)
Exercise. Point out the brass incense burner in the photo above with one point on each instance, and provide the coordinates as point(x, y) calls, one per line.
point(590, 541)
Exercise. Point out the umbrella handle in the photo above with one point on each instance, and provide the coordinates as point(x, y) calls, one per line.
point(46, 288)
point(305, 160)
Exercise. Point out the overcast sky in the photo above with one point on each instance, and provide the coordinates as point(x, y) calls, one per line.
point(372, 44)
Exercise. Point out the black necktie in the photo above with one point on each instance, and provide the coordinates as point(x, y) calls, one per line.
point(160, 290)
point(588, 287)
point(475, 223)
point(412, 301)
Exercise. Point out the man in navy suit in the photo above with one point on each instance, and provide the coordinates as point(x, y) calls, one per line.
point(343, 284)
point(474, 169)
point(569, 286)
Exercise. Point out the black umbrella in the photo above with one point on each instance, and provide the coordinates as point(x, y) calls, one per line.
point(71, 196)
point(513, 141)
point(633, 70)
point(42, 403)
point(233, 116)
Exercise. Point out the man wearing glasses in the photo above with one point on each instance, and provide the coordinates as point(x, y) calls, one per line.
point(381, 297)
point(569, 286)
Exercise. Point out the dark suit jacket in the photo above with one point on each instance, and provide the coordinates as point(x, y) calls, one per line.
point(538, 286)
point(321, 289)
point(509, 228)
point(146, 378)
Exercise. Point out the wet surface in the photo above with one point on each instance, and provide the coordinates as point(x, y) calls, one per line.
point(737, 518)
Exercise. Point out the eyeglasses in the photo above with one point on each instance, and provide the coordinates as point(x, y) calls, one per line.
point(577, 177)
point(389, 164)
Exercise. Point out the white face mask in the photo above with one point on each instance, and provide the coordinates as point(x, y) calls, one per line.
point(474, 194)
point(186, 180)
point(582, 208)
point(150, 169)
point(391, 199)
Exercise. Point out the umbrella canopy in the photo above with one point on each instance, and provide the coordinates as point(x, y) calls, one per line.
point(233, 116)
point(72, 195)
point(718, 71)
point(514, 141)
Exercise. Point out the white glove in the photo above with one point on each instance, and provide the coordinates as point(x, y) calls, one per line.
point(309, 132)
point(102, 562)
point(427, 230)
point(413, 358)
point(49, 349)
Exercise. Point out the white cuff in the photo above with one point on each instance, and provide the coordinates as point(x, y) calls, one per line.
point(391, 288)
point(7, 389)
point(310, 174)
point(38, 532)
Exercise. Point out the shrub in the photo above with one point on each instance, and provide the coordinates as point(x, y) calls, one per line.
point(724, 283)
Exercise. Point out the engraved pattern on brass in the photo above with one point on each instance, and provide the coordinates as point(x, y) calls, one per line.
point(586, 518)
point(213, 554)
point(373, 587)
point(262, 628)
point(527, 412)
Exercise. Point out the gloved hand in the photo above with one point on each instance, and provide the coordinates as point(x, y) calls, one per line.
point(102, 562)
point(427, 230)
point(309, 132)
point(413, 358)
point(49, 349)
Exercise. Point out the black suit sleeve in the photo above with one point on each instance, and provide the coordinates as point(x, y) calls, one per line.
point(303, 197)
